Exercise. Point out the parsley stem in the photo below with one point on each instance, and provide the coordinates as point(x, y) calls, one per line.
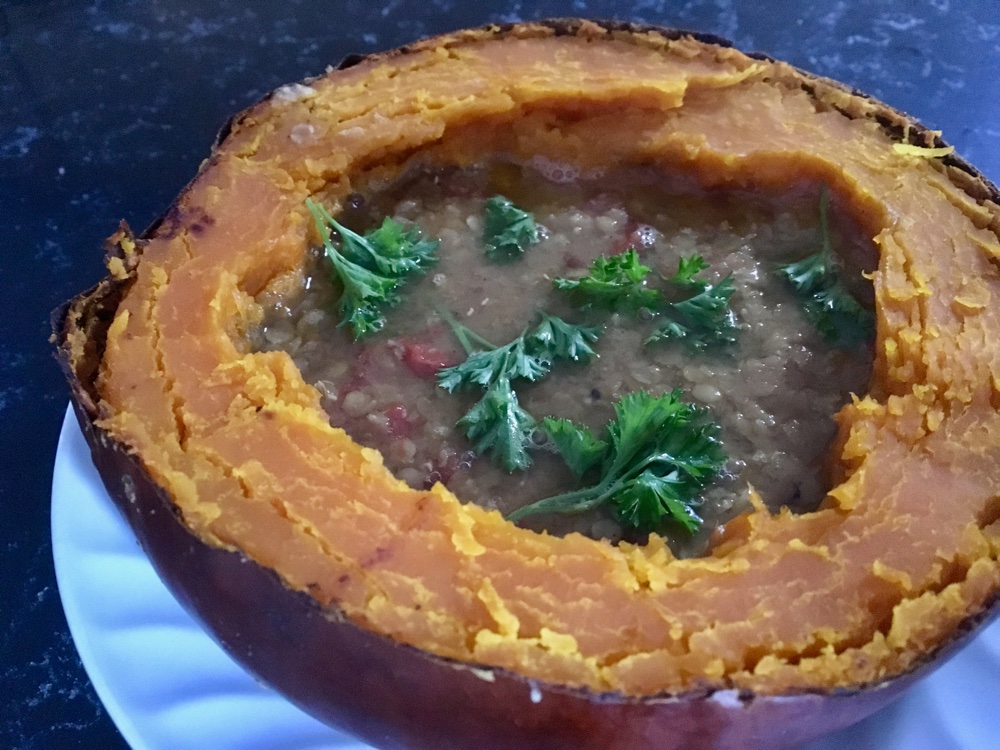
point(659, 453)
point(825, 298)
point(321, 217)
point(575, 501)
point(824, 226)
point(464, 334)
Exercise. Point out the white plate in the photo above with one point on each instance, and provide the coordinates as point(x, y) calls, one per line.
point(167, 685)
point(165, 682)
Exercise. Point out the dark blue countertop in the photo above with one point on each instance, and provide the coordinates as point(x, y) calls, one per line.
point(107, 108)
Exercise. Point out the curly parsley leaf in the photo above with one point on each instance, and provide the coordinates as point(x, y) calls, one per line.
point(687, 269)
point(826, 302)
point(509, 230)
point(578, 446)
point(563, 340)
point(364, 297)
point(807, 275)
point(839, 317)
point(617, 282)
point(650, 498)
point(661, 453)
point(370, 268)
point(702, 320)
point(498, 424)
point(513, 360)
point(388, 249)
point(528, 357)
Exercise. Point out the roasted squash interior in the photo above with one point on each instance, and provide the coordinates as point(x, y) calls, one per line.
point(905, 547)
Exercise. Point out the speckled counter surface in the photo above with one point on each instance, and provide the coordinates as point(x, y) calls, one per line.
point(107, 108)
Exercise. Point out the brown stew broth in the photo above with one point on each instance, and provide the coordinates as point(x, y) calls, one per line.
point(773, 394)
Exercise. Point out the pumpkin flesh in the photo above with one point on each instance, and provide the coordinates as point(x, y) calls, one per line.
point(903, 551)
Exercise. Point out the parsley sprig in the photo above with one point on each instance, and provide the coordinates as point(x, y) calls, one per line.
point(508, 230)
point(702, 320)
point(655, 458)
point(564, 340)
point(825, 299)
point(371, 267)
point(618, 282)
point(699, 315)
point(497, 423)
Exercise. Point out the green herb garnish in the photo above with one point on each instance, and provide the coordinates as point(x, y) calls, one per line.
point(484, 366)
point(389, 249)
point(497, 423)
point(824, 298)
point(578, 446)
point(617, 282)
point(687, 269)
point(509, 231)
point(620, 282)
point(371, 267)
point(702, 320)
point(528, 357)
point(564, 340)
point(658, 454)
